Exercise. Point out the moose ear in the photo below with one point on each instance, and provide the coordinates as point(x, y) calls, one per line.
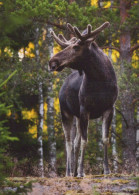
point(91, 42)
point(88, 41)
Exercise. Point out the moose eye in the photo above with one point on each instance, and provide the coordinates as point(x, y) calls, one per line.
point(76, 47)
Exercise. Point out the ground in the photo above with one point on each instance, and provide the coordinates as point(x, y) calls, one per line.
point(89, 185)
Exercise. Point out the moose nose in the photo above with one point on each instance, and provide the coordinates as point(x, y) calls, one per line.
point(53, 65)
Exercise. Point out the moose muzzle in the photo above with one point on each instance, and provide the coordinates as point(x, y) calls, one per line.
point(53, 65)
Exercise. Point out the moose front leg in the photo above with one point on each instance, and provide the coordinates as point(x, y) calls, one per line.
point(84, 118)
point(67, 122)
point(107, 118)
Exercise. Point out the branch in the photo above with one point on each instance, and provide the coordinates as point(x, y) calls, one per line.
point(123, 117)
point(121, 140)
point(63, 27)
point(111, 47)
point(134, 47)
point(57, 25)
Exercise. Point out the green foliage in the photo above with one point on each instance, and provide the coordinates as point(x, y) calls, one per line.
point(9, 23)
point(11, 187)
point(94, 155)
point(4, 134)
point(8, 78)
point(128, 80)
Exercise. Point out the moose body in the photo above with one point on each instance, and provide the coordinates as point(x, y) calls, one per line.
point(88, 93)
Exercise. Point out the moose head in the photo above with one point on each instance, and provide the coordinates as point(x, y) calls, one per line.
point(76, 49)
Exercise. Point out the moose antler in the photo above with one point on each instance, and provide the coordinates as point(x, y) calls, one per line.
point(72, 40)
point(59, 41)
point(89, 34)
point(62, 41)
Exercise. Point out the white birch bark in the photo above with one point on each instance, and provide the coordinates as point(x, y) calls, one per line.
point(110, 38)
point(113, 132)
point(113, 126)
point(100, 145)
point(40, 111)
point(113, 140)
point(137, 136)
point(73, 135)
point(50, 113)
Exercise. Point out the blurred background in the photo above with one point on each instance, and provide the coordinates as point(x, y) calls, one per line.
point(31, 135)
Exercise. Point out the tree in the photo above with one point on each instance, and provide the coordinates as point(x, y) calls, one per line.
point(5, 136)
point(129, 131)
point(50, 111)
point(123, 18)
point(40, 105)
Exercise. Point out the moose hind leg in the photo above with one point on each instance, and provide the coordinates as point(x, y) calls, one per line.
point(81, 160)
point(67, 121)
point(107, 118)
point(84, 118)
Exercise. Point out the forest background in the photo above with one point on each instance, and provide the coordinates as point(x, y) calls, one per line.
point(31, 135)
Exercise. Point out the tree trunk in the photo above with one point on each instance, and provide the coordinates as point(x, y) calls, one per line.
point(100, 3)
point(99, 140)
point(137, 136)
point(72, 135)
point(50, 114)
point(129, 134)
point(40, 130)
point(110, 38)
point(113, 126)
point(113, 140)
point(40, 111)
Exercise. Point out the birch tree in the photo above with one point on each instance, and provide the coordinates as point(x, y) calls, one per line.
point(137, 135)
point(113, 126)
point(100, 144)
point(113, 140)
point(40, 105)
point(50, 111)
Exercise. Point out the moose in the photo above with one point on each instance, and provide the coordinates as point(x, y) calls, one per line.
point(89, 92)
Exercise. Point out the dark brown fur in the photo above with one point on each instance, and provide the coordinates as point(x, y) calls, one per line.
point(91, 91)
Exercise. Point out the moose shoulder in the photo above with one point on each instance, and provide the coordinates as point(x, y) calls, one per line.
point(88, 93)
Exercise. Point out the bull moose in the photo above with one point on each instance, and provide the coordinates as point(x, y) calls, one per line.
point(88, 93)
